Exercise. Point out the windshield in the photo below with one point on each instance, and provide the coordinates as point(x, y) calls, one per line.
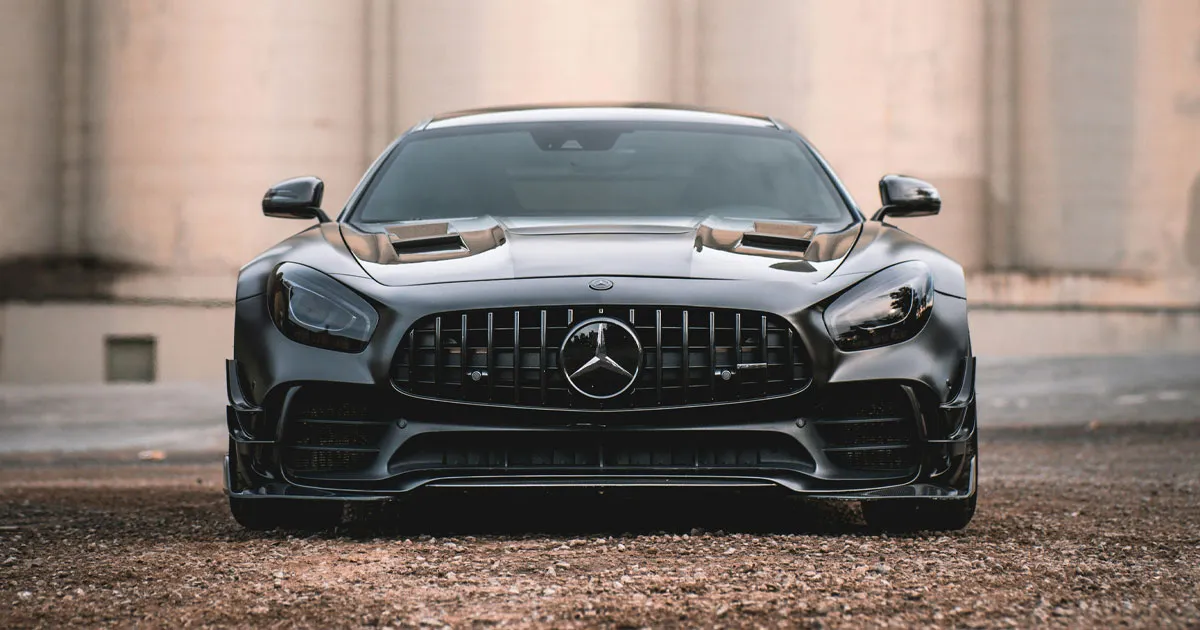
point(602, 169)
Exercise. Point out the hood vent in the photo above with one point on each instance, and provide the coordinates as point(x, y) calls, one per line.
point(774, 242)
point(429, 244)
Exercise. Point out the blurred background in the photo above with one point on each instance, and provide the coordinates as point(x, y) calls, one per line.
point(137, 138)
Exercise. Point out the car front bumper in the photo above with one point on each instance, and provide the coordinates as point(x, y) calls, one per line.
point(807, 442)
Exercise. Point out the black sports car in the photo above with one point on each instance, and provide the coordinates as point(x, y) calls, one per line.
point(601, 297)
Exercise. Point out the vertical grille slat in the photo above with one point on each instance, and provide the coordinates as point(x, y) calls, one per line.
point(463, 362)
point(760, 351)
point(791, 361)
point(712, 355)
point(437, 351)
point(685, 358)
point(658, 362)
point(543, 368)
point(762, 340)
point(516, 371)
point(737, 346)
point(491, 356)
point(412, 352)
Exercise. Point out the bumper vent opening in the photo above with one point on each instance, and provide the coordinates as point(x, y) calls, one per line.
point(689, 356)
point(332, 430)
point(868, 428)
point(596, 453)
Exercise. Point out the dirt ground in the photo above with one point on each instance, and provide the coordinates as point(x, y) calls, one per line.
point(1083, 527)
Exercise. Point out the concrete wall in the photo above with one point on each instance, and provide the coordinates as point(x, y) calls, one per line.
point(29, 127)
point(140, 135)
point(64, 343)
point(196, 107)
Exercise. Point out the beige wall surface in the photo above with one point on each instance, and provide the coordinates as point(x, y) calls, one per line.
point(140, 135)
point(29, 127)
point(64, 343)
point(196, 107)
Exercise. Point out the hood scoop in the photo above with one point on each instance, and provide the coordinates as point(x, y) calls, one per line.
point(428, 244)
point(773, 240)
point(760, 241)
point(422, 242)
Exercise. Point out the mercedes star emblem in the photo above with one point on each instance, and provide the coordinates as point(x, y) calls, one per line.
point(601, 284)
point(601, 357)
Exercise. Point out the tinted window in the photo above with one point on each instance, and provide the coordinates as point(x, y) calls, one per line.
point(602, 169)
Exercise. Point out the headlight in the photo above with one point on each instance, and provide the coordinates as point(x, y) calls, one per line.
point(888, 307)
point(313, 309)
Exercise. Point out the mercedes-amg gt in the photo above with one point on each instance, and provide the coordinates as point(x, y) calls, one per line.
point(601, 297)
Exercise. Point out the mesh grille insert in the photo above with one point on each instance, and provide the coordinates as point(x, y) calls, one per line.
point(601, 452)
point(870, 427)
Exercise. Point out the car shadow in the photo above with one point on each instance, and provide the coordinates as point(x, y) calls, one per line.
point(551, 514)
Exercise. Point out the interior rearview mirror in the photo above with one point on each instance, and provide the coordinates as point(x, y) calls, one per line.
point(907, 197)
point(296, 198)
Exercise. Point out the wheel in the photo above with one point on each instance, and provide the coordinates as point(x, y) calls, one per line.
point(910, 515)
point(267, 514)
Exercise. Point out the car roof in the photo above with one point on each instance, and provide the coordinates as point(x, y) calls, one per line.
point(586, 112)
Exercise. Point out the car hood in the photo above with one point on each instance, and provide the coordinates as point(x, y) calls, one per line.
point(490, 248)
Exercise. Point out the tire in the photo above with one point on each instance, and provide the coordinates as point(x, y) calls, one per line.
point(253, 514)
point(911, 515)
point(262, 515)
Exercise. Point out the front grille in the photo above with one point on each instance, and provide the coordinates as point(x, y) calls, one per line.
point(690, 356)
point(868, 427)
point(332, 430)
point(599, 453)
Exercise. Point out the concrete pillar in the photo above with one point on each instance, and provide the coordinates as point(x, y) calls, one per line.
point(1076, 102)
point(879, 87)
point(196, 107)
point(455, 54)
point(1162, 218)
point(755, 60)
point(29, 139)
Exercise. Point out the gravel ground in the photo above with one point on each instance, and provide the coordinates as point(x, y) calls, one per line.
point(1078, 526)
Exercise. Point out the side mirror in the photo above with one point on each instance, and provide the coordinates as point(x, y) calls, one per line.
point(297, 198)
point(907, 197)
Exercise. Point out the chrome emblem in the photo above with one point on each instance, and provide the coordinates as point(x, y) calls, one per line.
point(601, 357)
point(600, 284)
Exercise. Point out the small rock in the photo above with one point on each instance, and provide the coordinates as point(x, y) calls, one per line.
point(25, 595)
point(152, 456)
